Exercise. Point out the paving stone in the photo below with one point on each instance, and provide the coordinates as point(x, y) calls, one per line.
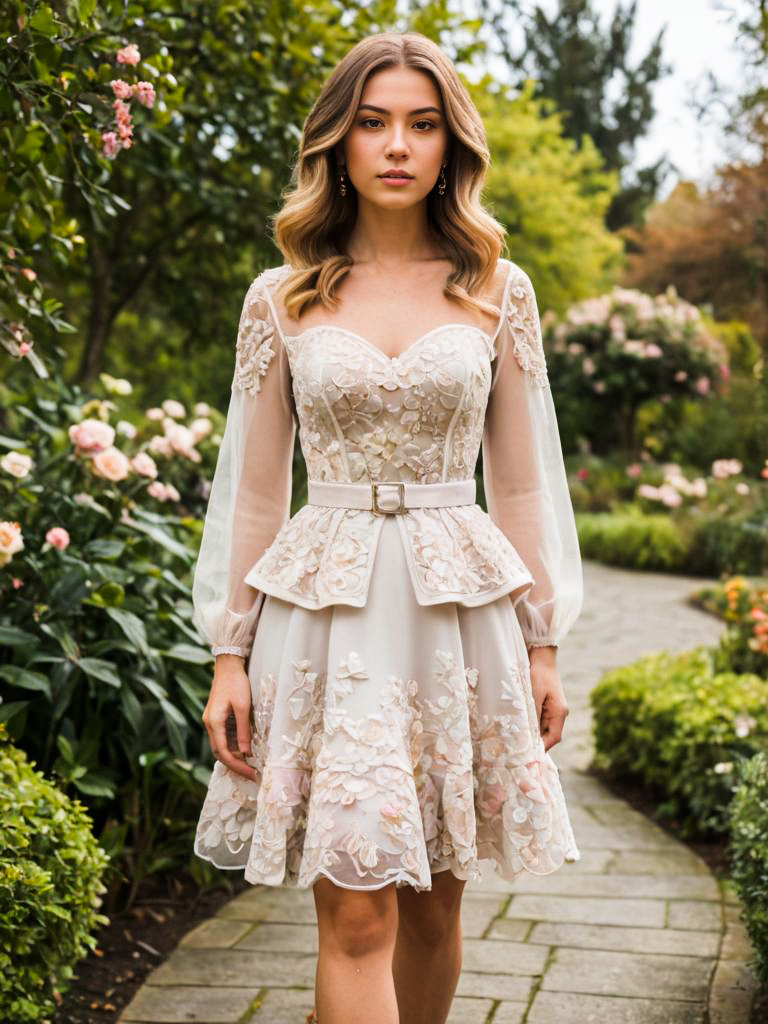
point(215, 933)
point(736, 942)
point(692, 887)
point(646, 862)
point(641, 913)
point(284, 1006)
point(510, 1013)
point(733, 992)
point(180, 1004)
point(611, 937)
point(272, 903)
point(516, 987)
point(221, 967)
point(615, 814)
point(281, 938)
point(502, 957)
point(477, 914)
point(551, 1008)
point(696, 915)
point(626, 837)
point(629, 974)
point(469, 1011)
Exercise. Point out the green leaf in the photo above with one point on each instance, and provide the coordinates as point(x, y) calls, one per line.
point(188, 652)
point(13, 636)
point(133, 628)
point(62, 635)
point(11, 709)
point(98, 668)
point(22, 677)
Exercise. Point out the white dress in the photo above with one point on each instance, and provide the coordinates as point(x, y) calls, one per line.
point(394, 725)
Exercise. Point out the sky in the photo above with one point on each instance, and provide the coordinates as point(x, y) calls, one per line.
point(698, 37)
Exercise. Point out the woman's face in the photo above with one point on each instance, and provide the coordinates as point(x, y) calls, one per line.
point(399, 125)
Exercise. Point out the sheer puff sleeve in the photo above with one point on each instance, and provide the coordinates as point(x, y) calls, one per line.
point(524, 478)
point(250, 496)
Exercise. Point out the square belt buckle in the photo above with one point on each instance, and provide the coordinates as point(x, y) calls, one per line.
point(376, 508)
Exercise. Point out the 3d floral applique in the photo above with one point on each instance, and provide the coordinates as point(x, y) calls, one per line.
point(253, 350)
point(525, 330)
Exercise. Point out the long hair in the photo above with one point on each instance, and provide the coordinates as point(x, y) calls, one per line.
point(314, 225)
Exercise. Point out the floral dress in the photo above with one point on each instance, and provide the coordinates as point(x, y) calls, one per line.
point(394, 729)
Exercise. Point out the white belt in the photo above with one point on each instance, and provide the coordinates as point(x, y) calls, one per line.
point(384, 497)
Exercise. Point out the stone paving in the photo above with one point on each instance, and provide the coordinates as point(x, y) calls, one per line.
point(636, 932)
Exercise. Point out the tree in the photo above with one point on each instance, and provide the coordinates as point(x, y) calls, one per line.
point(550, 195)
point(585, 71)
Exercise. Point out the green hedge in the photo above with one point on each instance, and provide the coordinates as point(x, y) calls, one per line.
point(677, 725)
point(748, 850)
point(50, 886)
point(699, 545)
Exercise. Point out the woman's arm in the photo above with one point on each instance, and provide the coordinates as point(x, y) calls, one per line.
point(524, 476)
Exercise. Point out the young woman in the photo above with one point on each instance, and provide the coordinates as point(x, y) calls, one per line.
point(386, 657)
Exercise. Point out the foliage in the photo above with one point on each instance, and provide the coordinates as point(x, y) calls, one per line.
point(550, 196)
point(584, 70)
point(743, 605)
point(623, 348)
point(675, 724)
point(50, 886)
point(632, 539)
point(748, 851)
point(104, 676)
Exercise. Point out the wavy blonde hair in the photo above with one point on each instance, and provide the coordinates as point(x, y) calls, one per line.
point(315, 222)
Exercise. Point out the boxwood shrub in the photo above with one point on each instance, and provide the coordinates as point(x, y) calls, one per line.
point(50, 888)
point(748, 848)
point(677, 725)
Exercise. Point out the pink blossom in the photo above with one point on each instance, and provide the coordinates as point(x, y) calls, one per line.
point(91, 436)
point(129, 54)
point(723, 468)
point(681, 375)
point(583, 473)
point(653, 350)
point(145, 93)
point(144, 465)
point(58, 537)
point(599, 386)
point(16, 582)
point(588, 365)
point(29, 273)
point(155, 413)
point(635, 469)
point(111, 464)
point(174, 409)
point(109, 144)
point(24, 348)
point(742, 488)
point(725, 371)
point(702, 385)
point(163, 492)
point(123, 90)
point(160, 445)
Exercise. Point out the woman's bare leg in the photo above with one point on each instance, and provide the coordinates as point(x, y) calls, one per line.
point(427, 960)
point(357, 932)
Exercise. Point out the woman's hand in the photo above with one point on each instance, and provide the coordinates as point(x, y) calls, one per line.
point(230, 695)
point(551, 706)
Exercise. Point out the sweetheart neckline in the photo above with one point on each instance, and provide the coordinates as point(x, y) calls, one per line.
point(375, 348)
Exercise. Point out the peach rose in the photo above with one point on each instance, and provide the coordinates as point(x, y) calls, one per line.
point(144, 465)
point(11, 541)
point(16, 464)
point(111, 464)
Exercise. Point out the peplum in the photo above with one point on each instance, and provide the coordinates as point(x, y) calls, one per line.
point(394, 724)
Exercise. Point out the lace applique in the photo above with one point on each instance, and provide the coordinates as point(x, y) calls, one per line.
point(255, 332)
point(523, 321)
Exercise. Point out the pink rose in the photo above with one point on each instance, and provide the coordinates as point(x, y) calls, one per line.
point(145, 93)
point(123, 90)
point(58, 537)
point(144, 465)
point(160, 445)
point(29, 273)
point(702, 385)
point(111, 464)
point(91, 436)
point(653, 350)
point(583, 473)
point(17, 582)
point(163, 492)
point(24, 348)
point(635, 469)
point(109, 144)
point(129, 54)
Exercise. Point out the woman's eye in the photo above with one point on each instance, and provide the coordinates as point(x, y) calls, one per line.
point(368, 120)
point(428, 123)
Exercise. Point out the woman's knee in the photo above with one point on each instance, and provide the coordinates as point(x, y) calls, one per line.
point(355, 923)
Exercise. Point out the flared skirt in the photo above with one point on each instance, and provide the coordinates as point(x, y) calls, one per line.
point(390, 742)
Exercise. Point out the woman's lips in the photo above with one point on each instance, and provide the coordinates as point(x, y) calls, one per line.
point(392, 180)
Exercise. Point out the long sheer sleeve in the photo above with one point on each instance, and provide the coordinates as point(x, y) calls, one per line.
point(524, 478)
point(250, 494)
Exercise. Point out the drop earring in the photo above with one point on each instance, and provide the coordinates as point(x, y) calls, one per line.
point(442, 182)
point(342, 184)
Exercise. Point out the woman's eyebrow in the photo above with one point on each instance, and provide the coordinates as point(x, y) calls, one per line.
point(383, 110)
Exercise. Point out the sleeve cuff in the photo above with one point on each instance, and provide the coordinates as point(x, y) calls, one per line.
point(243, 652)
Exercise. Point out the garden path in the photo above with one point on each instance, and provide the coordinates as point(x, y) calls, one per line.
point(638, 930)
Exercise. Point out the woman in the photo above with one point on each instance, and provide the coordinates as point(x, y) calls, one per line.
point(387, 656)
